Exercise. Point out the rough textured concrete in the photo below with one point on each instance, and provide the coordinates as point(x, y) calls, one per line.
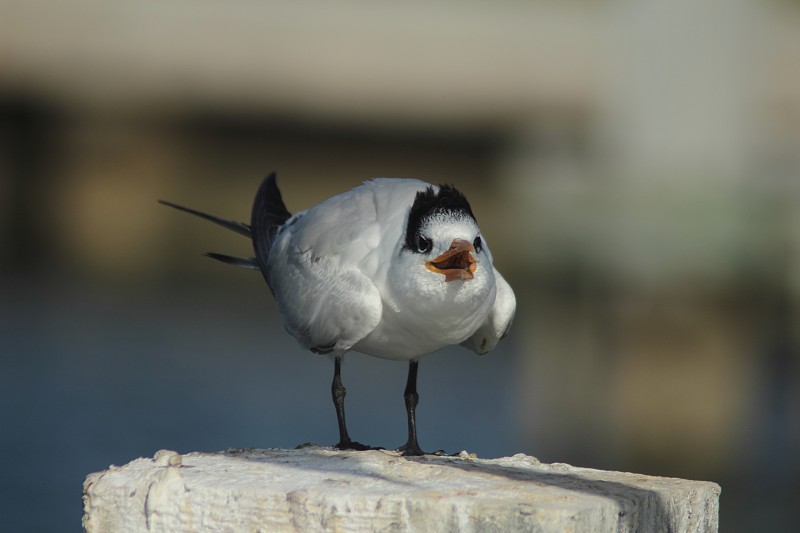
point(319, 489)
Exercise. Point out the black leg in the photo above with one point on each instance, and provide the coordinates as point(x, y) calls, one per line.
point(412, 399)
point(339, 392)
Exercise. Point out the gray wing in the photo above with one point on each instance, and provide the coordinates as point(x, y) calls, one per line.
point(499, 320)
point(328, 304)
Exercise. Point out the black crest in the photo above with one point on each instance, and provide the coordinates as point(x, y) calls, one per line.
point(429, 203)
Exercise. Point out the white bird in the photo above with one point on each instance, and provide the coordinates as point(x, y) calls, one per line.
point(395, 268)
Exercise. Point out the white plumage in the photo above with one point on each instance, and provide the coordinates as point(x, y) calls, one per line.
point(395, 268)
point(340, 278)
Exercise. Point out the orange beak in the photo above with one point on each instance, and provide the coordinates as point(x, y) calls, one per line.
point(456, 263)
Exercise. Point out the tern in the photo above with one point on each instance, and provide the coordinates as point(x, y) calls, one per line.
point(395, 268)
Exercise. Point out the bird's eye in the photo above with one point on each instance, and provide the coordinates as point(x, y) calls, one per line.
point(477, 244)
point(424, 245)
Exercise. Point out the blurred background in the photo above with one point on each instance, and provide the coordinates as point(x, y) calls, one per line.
point(634, 165)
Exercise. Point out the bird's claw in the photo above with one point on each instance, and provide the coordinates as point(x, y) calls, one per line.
point(415, 451)
point(353, 445)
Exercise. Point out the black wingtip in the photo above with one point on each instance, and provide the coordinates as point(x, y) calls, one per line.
point(268, 215)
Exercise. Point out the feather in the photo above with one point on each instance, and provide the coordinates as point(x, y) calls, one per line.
point(239, 227)
point(243, 262)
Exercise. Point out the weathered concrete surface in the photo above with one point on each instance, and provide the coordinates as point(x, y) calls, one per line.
point(319, 489)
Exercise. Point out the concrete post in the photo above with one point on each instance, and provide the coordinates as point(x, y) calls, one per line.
point(319, 489)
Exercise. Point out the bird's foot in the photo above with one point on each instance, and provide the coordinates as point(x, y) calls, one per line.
point(353, 445)
point(412, 449)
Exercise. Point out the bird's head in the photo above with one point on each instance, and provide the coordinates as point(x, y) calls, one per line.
point(443, 236)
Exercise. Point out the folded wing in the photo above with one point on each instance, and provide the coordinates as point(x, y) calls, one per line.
point(499, 320)
point(314, 270)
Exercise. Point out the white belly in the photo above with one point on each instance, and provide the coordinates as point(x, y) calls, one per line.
point(404, 335)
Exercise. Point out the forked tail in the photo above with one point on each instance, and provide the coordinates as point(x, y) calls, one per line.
point(269, 214)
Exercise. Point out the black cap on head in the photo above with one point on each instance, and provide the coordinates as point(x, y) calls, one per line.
point(429, 203)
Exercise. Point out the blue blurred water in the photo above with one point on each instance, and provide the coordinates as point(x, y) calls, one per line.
point(89, 379)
